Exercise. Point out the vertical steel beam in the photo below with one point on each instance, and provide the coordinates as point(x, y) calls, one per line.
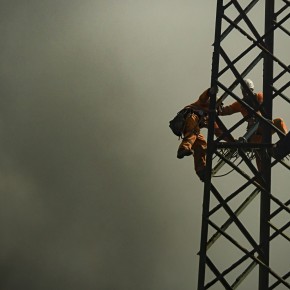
point(265, 201)
point(210, 150)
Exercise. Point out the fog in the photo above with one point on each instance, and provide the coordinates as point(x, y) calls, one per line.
point(92, 194)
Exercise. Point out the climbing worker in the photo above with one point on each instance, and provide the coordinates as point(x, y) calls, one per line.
point(254, 100)
point(193, 142)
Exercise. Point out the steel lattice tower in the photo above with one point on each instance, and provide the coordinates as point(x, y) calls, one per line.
point(240, 213)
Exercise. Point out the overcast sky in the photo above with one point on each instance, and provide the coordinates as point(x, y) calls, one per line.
point(92, 194)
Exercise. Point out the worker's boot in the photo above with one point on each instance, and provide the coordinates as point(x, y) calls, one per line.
point(282, 148)
point(183, 152)
point(273, 152)
point(276, 152)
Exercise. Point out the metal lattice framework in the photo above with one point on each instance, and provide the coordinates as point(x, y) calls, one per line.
point(240, 212)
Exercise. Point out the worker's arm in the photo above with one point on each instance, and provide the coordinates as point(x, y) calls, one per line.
point(229, 110)
point(203, 98)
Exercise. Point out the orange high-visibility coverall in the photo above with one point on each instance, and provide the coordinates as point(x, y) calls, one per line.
point(193, 139)
point(257, 137)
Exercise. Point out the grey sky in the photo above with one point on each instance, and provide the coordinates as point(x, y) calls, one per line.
point(92, 194)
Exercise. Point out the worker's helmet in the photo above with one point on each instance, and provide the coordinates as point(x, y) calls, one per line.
point(249, 84)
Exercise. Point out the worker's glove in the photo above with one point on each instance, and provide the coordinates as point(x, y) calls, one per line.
point(213, 91)
point(219, 109)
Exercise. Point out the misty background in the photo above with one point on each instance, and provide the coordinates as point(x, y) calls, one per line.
point(92, 194)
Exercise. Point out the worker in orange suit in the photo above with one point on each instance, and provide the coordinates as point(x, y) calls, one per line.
point(193, 142)
point(238, 107)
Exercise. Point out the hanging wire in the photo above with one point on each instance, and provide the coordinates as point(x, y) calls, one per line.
point(235, 155)
point(250, 154)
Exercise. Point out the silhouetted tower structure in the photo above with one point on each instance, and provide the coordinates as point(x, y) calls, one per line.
point(244, 241)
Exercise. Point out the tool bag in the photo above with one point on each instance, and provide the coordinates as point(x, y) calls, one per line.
point(178, 122)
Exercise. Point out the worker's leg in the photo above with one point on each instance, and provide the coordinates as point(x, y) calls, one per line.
point(199, 148)
point(277, 153)
point(191, 130)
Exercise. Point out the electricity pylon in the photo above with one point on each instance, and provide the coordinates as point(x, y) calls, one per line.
point(242, 220)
